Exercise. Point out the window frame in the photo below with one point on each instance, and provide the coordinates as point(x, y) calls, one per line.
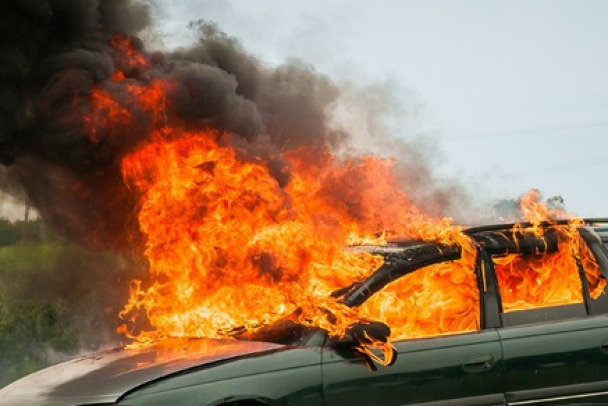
point(598, 245)
point(545, 314)
point(404, 263)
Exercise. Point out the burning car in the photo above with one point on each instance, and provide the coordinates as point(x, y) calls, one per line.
point(236, 188)
point(537, 336)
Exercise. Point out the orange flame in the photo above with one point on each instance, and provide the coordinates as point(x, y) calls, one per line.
point(436, 300)
point(551, 279)
point(230, 248)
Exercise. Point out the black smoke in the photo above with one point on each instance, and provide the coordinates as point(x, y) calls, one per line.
point(53, 52)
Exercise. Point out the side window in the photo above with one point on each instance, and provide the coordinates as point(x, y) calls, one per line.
point(534, 281)
point(548, 286)
point(438, 299)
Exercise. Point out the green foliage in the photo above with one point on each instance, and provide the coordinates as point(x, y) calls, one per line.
point(24, 232)
point(509, 211)
point(8, 233)
point(31, 327)
point(56, 298)
point(29, 331)
point(506, 210)
point(19, 259)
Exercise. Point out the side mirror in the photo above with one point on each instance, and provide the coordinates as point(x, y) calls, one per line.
point(366, 333)
point(370, 339)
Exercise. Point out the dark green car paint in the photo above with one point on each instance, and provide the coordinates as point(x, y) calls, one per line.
point(565, 358)
point(465, 366)
point(290, 377)
point(432, 370)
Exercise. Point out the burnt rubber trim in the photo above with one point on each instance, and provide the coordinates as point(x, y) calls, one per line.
point(397, 265)
point(518, 242)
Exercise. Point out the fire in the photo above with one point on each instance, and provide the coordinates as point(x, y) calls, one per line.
point(226, 245)
point(551, 279)
point(232, 248)
point(436, 300)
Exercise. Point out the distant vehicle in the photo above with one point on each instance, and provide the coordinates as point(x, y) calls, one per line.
point(545, 344)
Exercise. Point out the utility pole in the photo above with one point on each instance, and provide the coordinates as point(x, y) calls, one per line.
point(26, 218)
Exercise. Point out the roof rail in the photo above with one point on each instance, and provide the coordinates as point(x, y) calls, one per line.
point(498, 227)
point(598, 220)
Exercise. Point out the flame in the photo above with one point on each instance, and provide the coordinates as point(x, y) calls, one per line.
point(231, 248)
point(551, 279)
point(435, 300)
point(385, 348)
point(226, 246)
point(127, 56)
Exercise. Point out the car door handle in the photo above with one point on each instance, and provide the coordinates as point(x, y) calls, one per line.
point(479, 363)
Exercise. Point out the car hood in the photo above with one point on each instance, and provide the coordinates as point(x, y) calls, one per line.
point(106, 376)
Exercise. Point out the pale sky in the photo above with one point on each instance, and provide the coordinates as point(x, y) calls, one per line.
point(515, 91)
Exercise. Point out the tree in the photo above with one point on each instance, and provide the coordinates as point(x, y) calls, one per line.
point(8, 233)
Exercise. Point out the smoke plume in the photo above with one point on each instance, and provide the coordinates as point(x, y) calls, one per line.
point(54, 52)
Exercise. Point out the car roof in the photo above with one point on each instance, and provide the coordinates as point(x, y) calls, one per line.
point(403, 256)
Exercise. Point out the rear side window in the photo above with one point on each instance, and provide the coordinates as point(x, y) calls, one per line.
point(533, 281)
point(548, 286)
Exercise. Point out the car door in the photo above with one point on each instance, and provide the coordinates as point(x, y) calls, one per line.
point(459, 368)
point(450, 370)
point(554, 351)
point(556, 362)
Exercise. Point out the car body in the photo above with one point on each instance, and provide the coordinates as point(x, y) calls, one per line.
point(547, 354)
